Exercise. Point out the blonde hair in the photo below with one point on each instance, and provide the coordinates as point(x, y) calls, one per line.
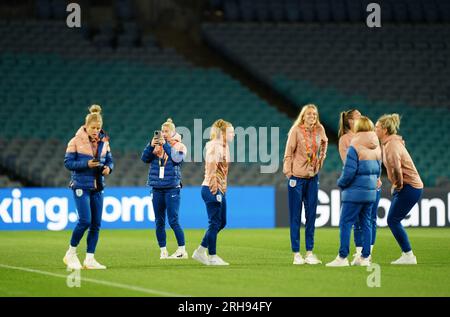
point(301, 117)
point(391, 122)
point(169, 123)
point(94, 115)
point(364, 124)
point(344, 124)
point(218, 128)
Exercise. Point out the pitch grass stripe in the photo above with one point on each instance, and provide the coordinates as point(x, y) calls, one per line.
point(91, 280)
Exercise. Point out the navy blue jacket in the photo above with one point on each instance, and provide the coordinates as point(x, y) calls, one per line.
point(362, 168)
point(172, 171)
point(79, 152)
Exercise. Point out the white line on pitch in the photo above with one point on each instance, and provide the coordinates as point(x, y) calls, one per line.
point(91, 280)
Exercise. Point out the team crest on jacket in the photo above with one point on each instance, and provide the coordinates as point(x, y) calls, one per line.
point(79, 192)
point(292, 182)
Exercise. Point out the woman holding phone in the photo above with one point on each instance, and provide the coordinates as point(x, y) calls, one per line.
point(89, 158)
point(165, 154)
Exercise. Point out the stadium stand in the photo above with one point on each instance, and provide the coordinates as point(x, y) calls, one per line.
point(403, 11)
point(51, 76)
point(397, 68)
point(307, 51)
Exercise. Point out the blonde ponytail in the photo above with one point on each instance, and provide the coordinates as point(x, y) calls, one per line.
point(344, 124)
point(218, 128)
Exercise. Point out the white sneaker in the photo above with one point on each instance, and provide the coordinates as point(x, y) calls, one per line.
point(360, 261)
point(92, 264)
point(179, 254)
point(355, 258)
point(217, 260)
point(72, 262)
point(406, 259)
point(164, 255)
point(200, 256)
point(298, 259)
point(338, 262)
point(312, 259)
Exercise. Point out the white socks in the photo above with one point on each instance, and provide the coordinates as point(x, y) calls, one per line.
point(163, 249)
point(89, 256)
point(182, 248)
point(72, 250)
point(359, 250)
point(409, 253)
point(202, 249)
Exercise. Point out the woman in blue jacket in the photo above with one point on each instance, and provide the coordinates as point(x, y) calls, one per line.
point(89, 158)
point(165, 155)
point(358, 183)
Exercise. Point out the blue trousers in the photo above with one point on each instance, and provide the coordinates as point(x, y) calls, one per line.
point(302, 190)
point(89, 207)
point(216, 206)
point(167, 200)
point(357, 230)
point(351, 212)
point(401, 205)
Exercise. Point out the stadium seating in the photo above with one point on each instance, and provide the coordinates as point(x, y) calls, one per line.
point(47, 87)
point(328, 11)
point(398, 68)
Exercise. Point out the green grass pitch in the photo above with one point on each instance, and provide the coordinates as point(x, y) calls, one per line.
point(261, 266)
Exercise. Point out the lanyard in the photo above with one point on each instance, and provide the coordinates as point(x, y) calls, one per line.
point(165, 161)
point(310, 153)
point(94, 152)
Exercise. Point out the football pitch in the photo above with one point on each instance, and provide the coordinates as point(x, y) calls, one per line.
point(260, 266)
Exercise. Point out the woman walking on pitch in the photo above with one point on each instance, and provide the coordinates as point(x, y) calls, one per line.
point(214, 189)
point(407, 187)
point(305, 153)
point(346, 132)
point(166, 153)
point(89, 158)
point(358, 183)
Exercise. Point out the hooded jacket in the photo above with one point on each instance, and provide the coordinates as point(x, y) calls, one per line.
point(79, 152)
point(171, 156)
point(295, 162)
point(362, 168)
point(399, 164)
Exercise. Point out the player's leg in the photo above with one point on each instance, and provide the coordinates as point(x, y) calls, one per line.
point(348, 217)
point(82, 203)
point(96, 204)
point(172, 199)
point(215, 259)
point(401, 205)
point(295, 195)
point(159, 207)
point(311, 193)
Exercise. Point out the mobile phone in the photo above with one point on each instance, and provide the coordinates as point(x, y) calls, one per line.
point(95, 160)
point(157, 134)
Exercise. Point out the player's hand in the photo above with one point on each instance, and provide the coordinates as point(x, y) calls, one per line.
point(93, 164)
point(213, 188)
point(379, 183)
point(106, 171)
point(155, 141)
